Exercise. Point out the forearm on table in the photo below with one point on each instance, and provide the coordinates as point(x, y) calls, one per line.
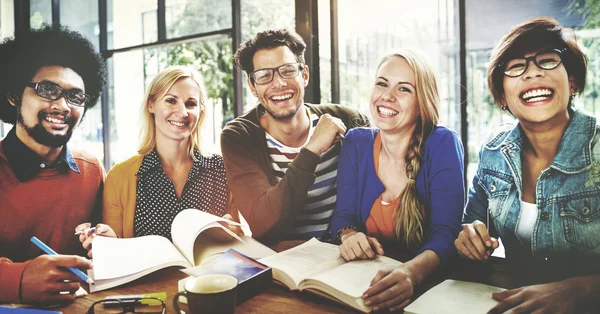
point(589, 291)
point(422, 265)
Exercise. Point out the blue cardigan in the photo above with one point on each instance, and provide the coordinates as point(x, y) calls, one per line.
point(440, 186)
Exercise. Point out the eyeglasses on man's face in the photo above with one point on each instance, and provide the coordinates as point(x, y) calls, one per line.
point(147, 305)
point(546, 60)
point(286, 71)
point(52, 91)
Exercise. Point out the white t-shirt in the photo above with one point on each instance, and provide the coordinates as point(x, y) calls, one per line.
point(529, 213)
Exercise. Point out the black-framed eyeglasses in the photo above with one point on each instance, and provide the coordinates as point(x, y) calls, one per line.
point(146, 305)
point(52, 91)
point(545, 60)
point(286, 71)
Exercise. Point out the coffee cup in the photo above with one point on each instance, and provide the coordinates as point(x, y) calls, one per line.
point(209, 294)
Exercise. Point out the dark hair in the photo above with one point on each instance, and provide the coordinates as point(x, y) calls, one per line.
point(531, 36)
point(268, 39)
point(22, 56)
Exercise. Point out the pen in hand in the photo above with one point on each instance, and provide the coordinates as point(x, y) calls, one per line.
point(85, 231)
point(50, 251)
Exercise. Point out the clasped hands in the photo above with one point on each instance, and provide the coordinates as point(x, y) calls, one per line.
point(391, 288)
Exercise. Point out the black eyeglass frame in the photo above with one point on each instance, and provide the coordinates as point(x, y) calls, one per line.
point(127, 305)
point(278, 69)
point(63, 92)
point(533, 58)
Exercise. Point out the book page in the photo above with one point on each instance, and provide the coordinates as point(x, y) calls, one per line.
point(454, 296)
point(141, 253)
point(310, 257)
point(351, 278)
point(499, 251)
point(189, 223)
point(207, 248)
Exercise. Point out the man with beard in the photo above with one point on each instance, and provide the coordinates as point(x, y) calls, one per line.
point(49, 78)
point(281, 157)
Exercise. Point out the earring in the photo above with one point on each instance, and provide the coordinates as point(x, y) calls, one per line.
point(573, 96)
point(504, 108)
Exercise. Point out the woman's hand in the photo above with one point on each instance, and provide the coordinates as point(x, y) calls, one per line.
point(86, 237)
point(357, 245)
point(392, 289)
point(474, 242)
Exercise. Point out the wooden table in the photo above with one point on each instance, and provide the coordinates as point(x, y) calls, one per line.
point(275, 300)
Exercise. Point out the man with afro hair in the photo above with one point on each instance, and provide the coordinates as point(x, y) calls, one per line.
point(49, 78)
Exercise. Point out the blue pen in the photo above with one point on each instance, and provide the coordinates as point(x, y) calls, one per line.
point(50, 251)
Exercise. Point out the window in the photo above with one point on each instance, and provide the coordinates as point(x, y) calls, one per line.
point(7, 29)
point(189, 17)
point(131, 23)
point(40, 13)
point(367, 33)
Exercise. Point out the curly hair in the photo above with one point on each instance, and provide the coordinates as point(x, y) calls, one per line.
point(21, 58)
point(268, 39)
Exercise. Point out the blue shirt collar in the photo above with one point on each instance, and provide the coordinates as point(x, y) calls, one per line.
point(25, 163)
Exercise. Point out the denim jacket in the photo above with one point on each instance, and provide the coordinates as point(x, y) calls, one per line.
point(567, 194)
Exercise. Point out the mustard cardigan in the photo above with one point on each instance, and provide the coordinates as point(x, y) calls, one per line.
point(119, 198)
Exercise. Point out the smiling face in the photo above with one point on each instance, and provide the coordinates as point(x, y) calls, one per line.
point(49, 122)
point(281, 97)
point(176, 113)
point(394, 104)
point(538, 95)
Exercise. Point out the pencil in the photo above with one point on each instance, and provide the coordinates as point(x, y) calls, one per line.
point(50, 251)
point(88, 230)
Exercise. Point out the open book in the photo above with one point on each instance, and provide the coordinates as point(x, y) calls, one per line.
point(319, 268)
point(144, 255)
point(454, 296)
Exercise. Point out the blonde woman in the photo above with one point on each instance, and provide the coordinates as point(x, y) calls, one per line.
point(144, 193)
point(401, 182)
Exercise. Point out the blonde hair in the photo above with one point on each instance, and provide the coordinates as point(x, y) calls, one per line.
point(408, 221)
point(157, 89)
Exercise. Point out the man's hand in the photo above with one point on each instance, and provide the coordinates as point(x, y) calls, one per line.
point(44, 278)
point(86, 238)
point(557, 297)
point(220, 234)
point(474, 242)
point(392, 289)
point(325, 134)
point(356, 245)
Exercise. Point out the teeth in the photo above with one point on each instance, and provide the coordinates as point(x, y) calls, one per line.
point(177, 123)
point(54, 120)
point(387, 111)
point(282, 97)
point(537, 94)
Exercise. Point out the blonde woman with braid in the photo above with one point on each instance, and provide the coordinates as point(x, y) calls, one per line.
point(401, 182)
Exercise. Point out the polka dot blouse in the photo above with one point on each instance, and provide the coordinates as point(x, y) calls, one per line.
point(156, 201)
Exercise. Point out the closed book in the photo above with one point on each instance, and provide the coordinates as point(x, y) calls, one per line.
point(253, 277)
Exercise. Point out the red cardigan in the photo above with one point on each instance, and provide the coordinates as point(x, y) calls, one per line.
point(48, 206)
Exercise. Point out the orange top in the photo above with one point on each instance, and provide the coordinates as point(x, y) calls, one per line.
point(380, 223)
